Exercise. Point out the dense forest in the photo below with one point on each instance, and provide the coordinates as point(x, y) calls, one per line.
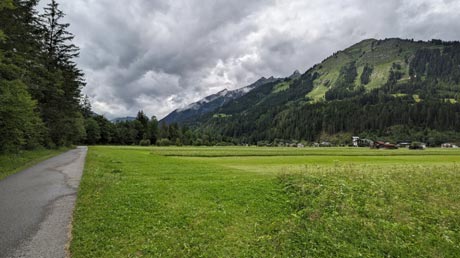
point(40, 84)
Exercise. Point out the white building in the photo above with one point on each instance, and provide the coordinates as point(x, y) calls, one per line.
point(355, 141)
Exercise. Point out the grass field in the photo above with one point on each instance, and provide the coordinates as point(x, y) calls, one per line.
point(268, 202)
point(12, 163)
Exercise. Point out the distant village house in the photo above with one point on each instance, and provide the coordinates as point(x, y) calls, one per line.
point(358, 142)
point(449, 146)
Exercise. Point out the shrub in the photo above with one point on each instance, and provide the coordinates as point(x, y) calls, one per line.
point(145, 142)
point(164, 142)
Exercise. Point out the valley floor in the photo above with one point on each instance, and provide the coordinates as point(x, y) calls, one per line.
point(268, 202)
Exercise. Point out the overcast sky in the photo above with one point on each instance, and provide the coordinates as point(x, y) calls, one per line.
point(159, 55)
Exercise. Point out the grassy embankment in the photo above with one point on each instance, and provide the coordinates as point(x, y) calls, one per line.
point(12, 163)
point(262, 202)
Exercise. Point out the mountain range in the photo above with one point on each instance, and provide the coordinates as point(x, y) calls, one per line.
point(374, 87)
point(211, 103)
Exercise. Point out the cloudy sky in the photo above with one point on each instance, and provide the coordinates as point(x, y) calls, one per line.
point(159, 55)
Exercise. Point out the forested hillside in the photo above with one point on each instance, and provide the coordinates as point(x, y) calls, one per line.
point(40, 84)
point(212, 103)
point(394, 90)
point(382, 89)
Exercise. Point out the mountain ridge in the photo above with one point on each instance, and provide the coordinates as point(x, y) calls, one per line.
point(211, 103)
point(388, 84)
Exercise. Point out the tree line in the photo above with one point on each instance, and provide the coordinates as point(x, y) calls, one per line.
point(143, 131)
point(40, 83)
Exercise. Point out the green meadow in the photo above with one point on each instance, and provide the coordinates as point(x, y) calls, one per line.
point(268, 202)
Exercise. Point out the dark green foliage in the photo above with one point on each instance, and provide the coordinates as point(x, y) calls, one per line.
point(93, 131)
point(367, 114)
point(58, 41)
point(6, 4)
point(145, 142)
point(153, 130)
point(62, 100)
point(347, 76)
point(36, 53)
point(174, 132)
point(142, 126)
point(20, 124)
point(140, 131)
point(164, 142)
point(395, 75)
point(345, 85)
point(86, 107)
point(366, 75)
point(374, 112)
point(437, 64)
point(107, 129)
point(124, 134)
point(339, 93)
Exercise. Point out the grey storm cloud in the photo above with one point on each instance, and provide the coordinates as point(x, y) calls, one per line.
point(159, 55)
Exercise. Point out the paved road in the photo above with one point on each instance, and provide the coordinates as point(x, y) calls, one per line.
point(36, 207)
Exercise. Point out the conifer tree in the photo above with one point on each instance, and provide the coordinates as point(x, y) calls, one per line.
point(86, 107)
point(37, 69)
point(20, 124)
point(62, 108)
point(153, 130)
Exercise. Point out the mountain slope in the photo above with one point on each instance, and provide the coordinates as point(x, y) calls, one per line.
point(211, 103)
point(383, 88)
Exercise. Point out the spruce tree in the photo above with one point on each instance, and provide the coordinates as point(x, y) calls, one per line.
point(153, 130)
point(20, 123)
point(62, 109)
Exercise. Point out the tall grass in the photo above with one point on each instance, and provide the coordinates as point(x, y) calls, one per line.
point(372, 211)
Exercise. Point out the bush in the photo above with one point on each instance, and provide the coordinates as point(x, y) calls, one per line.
point(145, 142)
point(164, 142)
point(225, 144)
point(263, 143)
point(198, 142)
